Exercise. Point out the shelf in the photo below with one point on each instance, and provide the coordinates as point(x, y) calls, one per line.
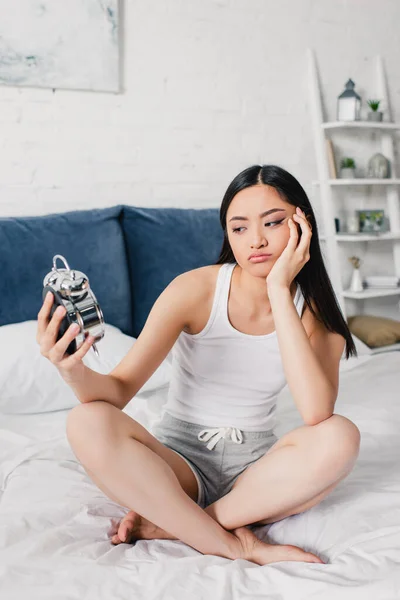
point(363, 237)
point(366, 237)
point(360, 181)
point(360, 125)
point(371, 293)
point(325, 187)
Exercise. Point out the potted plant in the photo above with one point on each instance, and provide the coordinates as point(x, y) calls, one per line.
point(347, 168)
point(374, 114)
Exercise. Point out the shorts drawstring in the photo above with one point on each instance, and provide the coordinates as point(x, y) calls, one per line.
point(218, 433)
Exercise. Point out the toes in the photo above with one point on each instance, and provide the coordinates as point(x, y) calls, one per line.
point(122, 533)
point(125, 530)
point(315, 559)
point(115, 539)
point(128, 529)
point(298, 554)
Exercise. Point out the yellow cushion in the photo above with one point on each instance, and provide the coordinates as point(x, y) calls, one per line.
point(375, 331)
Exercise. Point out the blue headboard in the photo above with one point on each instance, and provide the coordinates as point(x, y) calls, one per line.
point(130, 254)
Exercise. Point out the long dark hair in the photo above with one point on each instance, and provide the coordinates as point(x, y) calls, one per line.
point(313, 278)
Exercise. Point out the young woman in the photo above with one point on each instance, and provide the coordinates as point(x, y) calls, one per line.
point(264, 315)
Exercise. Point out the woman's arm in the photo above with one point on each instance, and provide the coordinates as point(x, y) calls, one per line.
point(311, 365)
point(168, 316)
point(91, 385)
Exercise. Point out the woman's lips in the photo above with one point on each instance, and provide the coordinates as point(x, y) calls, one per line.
point(260, 258)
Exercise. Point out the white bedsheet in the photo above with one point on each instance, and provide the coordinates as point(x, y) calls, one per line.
point(55, 524)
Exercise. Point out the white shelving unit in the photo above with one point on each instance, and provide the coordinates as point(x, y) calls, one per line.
point(327, 186)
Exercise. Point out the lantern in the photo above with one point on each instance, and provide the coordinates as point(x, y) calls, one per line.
point(349, 104)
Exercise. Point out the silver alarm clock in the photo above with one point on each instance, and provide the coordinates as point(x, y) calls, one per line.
point(71, 289)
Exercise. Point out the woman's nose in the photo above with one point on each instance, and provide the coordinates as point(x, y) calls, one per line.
point(258, 239)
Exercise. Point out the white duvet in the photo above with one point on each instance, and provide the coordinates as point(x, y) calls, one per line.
point(55, 524)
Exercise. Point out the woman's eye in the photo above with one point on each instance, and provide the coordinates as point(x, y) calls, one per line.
point(275, 222)
point(237, 229)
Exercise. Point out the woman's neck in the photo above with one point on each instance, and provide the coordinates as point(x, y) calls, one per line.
point(252, 292)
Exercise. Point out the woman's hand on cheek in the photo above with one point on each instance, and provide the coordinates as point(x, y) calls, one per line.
point(294, 256)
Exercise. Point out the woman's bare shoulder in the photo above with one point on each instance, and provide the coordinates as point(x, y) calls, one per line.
point(198, 286)
point(201, 274)
point(200, 282)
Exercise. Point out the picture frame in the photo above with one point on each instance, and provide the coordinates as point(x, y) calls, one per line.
point(371, 220)
point(70, 45)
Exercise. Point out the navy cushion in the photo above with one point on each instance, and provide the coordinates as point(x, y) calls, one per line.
point(163, 243)
point(90, 240)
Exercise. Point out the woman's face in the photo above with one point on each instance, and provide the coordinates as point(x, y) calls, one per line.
point(257, 222)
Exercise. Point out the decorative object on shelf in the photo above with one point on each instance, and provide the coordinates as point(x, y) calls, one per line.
point(356, 284)
point(347, 168)
point(378, 166)
point(375, 331)
point(337, 225)
point(374, 114)
point(331, 159)
point(348, 104)
point(353, 223)
point(382, 281)
point(371, 221)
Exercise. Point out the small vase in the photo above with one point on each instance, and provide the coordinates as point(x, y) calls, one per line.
point(356, 284)
point(353, 224)
point(347, 173)
point(376, 115)
point(378, 166)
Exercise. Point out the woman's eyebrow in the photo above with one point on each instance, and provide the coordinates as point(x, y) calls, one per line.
point(263, 214)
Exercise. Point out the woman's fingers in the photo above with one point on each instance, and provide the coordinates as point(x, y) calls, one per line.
point(47, 332)
point(50, 335)
point(43, 316)
point(304, 244)
point(57, 352)
point(294, 235)
point(80, 353)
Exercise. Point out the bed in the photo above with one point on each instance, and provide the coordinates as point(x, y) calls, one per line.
point(56, 525)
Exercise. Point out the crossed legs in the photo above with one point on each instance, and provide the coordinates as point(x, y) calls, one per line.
point(295, 474)
point(299, 471)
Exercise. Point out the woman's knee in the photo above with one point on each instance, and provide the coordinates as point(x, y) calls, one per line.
point(346, 431)
point(341, 440)
point(88, 416)
point(89, 428)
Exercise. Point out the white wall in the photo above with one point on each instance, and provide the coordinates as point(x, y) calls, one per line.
point(209, 87)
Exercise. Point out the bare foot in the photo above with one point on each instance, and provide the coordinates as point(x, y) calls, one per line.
point(135, 527)
point(261, 553)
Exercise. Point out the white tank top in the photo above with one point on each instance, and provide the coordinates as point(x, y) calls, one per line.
point(223, 377)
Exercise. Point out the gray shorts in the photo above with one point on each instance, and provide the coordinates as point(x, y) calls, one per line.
point(216, 455)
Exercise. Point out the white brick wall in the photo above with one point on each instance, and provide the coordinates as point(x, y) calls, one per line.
point(209, 87)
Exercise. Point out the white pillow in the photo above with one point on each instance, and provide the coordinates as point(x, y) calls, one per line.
point(29, 383)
